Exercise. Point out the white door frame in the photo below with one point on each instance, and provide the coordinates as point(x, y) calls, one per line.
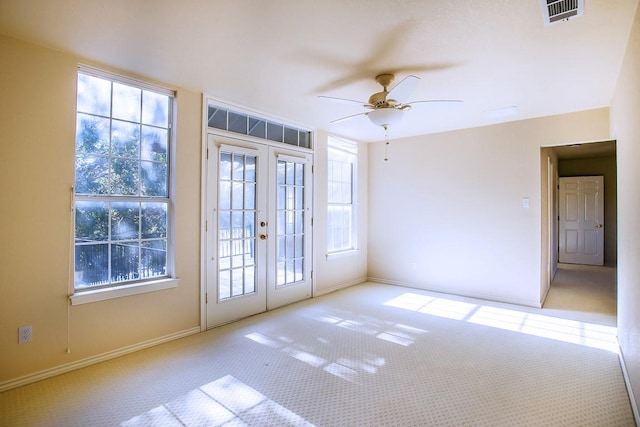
point(205, 202)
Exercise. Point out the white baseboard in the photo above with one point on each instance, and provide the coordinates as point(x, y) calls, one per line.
point(68, 367)
point(339, 287)
point(627, 382)
point(535, 304)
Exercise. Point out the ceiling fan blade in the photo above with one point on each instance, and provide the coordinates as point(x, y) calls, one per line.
point(435, 101)
point(344, 100)
point(348, 117)
point(404, 88)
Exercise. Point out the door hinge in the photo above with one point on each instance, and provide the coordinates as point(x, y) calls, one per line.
point(206, 226)
point(312, 222)
point(206, 298)
point(312, 168)
point(207, 154)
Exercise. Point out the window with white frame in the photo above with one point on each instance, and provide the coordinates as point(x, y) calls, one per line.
point(122, 170)
point(341, 215)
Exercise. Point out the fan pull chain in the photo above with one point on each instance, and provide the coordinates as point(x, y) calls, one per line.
point(386, 143)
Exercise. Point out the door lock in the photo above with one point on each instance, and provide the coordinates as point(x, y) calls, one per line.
point(263, 224)
point(598, 225)
point(263, 237)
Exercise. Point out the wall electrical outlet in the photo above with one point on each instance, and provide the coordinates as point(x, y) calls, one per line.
point(25, 334)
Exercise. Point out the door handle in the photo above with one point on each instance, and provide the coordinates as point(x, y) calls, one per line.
point(598, 225)
point(263, 237)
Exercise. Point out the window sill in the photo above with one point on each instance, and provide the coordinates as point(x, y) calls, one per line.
point(342, 254)
point(122, 291)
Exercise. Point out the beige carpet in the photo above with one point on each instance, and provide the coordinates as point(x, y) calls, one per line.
point(584, 292)
point(370, 355)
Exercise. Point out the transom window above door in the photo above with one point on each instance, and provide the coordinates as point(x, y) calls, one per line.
point(246, 124)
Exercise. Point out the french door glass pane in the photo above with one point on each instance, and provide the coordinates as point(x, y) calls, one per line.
point(290, 222)
point(236, 225)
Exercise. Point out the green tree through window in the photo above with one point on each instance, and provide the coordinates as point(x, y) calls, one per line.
point(122, 200)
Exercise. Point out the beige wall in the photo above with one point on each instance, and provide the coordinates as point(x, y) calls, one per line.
point(36, 174)
point(452, 204)
point(605, 166)
point(338, 272)
point(37, 134)
point(625, 129)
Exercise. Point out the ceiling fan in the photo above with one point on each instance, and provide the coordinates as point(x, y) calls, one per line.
point(387, 107)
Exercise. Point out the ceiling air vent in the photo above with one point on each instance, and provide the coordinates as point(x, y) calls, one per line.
point(554, 11)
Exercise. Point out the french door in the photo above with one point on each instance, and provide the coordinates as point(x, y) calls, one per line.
point(258, 228)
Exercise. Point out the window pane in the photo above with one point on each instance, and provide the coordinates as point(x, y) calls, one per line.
point(249, 225)
point(91, 265)
point(274, 132)
point(154, 179)
point(94, 95)
point(250, 196)
point(237, 223)
point(305, 139)
point(92, 175)
point(153, 259)
point(125, 217)
point(224, 284)
point(217, 118)
point(249, 280)
point(224, 195)
point(238, 167)
point(225, 166)
point(124, 176)
point(290, 225)
point(298, 246)
point(237, 282)
point(124, 261)
point(92, 221)
point(299, 202)
point(250, 169)
point(237, 123)
point(299, 222)
point(154, 220)
point(154, 144)
point(280, 204)
point(257, 127)
point(290, 136)
point(155, 109)
point(290, 197)
point(280, 223)
point(224, 254)
point(125, 139)
point(237, 195)
point(224, 225)
point(299, 174)
point(282, 167)
point(126, 102)
point(92, 134)
point(290, 173)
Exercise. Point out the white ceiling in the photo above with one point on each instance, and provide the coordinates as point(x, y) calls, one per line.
point(277, 56)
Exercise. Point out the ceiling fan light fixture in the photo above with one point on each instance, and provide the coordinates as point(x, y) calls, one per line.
point(385, 116)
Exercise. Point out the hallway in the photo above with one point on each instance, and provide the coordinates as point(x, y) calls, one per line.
point(584, 292)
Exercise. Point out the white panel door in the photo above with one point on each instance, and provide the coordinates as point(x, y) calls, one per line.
point(258, 228)
point(581, 239)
